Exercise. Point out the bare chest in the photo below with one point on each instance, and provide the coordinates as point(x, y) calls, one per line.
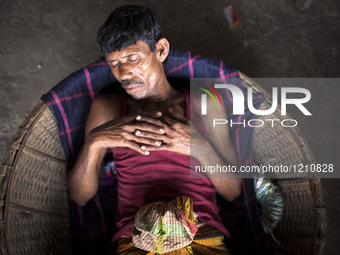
point(178, 105)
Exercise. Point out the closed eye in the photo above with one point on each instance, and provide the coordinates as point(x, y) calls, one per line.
point(113, 64)
point(133, 59)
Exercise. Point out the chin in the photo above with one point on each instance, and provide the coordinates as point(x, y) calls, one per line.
point(138, 96)
point(138, 93)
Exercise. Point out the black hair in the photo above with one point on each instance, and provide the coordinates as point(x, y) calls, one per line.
point(127, 25)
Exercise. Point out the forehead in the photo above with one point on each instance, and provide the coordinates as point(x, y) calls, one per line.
point(139, 48)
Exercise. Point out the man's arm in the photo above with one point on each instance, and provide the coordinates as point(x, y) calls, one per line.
point(83, 178)
point(105, 128)
point(219, 150)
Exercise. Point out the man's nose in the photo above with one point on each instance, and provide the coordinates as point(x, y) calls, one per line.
point(125, 72)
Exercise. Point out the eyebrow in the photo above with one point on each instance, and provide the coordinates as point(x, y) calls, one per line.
point(110, 61)
point(129, 55)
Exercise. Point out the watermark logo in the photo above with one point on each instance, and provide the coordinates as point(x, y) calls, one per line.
point(238, 99)
point(204, 98)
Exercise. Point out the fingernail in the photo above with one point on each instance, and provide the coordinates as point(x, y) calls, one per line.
point(138, 132)
point(162, 130)
point(138, 117)
point(143, 147)
point(158, 143)
point(147, 152)
point(159, 114)
point(170, 109)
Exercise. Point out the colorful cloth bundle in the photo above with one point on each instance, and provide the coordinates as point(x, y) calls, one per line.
point(207, 241)
point(165, 226)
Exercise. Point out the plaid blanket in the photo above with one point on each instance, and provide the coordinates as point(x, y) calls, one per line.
point(93, 225)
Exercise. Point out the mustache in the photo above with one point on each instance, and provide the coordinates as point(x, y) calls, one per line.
point(129, 82)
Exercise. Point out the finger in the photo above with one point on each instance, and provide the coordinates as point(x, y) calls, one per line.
point(169, 121)
point(144, 140)
point(151, 135)
point(177, 116)
point(166, 128)
point(175, 125)
point(136, 147)
point(150, 120)
point(152, 114)
point(149, 127)
point(155, 148)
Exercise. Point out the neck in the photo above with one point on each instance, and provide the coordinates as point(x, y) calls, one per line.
point(164, 91)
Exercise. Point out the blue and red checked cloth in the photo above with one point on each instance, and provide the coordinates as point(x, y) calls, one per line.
point(93, 225)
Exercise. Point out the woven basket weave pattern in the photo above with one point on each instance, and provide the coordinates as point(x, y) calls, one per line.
point(303, 224)
point(33, 185)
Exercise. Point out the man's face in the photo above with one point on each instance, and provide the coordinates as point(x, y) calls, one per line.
point(138, 69)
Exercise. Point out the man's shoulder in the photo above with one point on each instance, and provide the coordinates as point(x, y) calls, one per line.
point(104, 100)
point(106, 107)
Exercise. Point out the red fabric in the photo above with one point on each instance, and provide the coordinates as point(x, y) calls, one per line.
point(161, 176)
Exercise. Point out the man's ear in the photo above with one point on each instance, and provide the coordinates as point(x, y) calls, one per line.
point(162, 49)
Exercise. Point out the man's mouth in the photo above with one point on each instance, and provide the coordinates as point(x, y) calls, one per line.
point(131, 86)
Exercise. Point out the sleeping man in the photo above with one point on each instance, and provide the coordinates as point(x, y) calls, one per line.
point(160, 207)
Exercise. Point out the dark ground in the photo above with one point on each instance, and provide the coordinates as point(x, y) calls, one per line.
point(44, 41)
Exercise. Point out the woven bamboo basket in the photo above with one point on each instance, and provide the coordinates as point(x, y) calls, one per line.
point(33, 190)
